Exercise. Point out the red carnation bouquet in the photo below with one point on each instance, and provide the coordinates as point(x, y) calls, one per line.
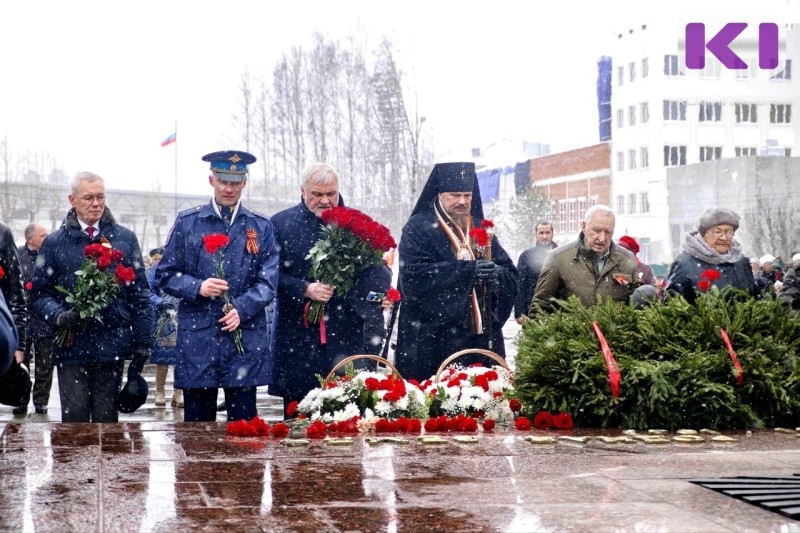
point(214, 243)
point(96, 284)
point(351, 242)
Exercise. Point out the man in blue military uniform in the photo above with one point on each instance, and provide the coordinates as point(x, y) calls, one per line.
point(209, 355)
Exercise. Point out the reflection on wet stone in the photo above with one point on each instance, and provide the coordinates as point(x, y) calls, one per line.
point(177, 477)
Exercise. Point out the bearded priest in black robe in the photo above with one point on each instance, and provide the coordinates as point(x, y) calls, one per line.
point(456, 295)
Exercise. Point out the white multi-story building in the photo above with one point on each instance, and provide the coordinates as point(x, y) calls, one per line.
point(665, 115)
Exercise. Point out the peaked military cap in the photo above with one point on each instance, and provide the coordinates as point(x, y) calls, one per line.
point(231, 163)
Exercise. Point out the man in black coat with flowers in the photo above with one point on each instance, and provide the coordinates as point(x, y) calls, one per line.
point(453, 299)
point(91, 361)
point(300, 352)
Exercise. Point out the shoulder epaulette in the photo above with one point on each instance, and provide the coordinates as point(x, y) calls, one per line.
point(191, 210)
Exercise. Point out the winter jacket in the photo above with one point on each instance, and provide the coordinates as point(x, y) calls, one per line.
point(687, 270)
point(571, 269)
point(37, 327)
point(529, 266)
point(125, 323)
point(208, 356)
point(11, 284)
point(165, 325)
point(300, 354)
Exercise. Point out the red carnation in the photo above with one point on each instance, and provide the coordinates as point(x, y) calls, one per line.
point(515, 405)
point(487, 223)
point(28, 285)
point(214, 242)
point(279, 430)
point(543, 420)
point(710, 274)
point(562, 421)
point(260, 426)
point(703, 285)
point(522, 424)
point(488, 424)
point(480, 236)
point(124, 275)
point(291, 409)
point(116, 255)
point(316, 430)
point(393, 295)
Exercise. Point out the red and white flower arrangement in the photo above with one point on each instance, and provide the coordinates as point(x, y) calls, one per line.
point(363, 395)
point(474, 391)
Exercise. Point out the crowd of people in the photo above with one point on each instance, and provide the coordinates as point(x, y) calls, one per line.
point(225, 301)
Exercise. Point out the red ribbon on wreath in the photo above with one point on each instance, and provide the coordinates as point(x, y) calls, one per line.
point(323, 334)
point(611, 363)
point(736, 364)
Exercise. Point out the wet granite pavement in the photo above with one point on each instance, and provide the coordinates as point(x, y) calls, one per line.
point(152, 472)
point(174, 476)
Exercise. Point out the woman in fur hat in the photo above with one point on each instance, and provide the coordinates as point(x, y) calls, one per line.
point(711, 256)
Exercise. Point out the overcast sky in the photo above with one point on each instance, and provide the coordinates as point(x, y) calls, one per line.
point(100, 84)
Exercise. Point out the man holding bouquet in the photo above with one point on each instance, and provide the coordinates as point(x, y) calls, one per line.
point(221, 262)
point(96, 339)
point(306, 348)
point(457, 294)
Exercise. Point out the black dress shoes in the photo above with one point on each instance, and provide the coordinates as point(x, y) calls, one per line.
point(41, 409)
point(20, 410)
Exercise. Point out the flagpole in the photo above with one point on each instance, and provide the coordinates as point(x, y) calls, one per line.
point(176, 167)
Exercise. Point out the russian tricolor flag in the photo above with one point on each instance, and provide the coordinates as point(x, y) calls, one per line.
point(169, 140)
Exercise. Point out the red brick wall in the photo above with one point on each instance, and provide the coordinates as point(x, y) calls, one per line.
point(591, 158)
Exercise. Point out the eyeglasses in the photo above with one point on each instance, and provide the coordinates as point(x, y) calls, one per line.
point(728, 233)
point(101, 198)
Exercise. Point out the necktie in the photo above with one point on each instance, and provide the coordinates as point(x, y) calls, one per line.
point(226, 212)
point(90, 231)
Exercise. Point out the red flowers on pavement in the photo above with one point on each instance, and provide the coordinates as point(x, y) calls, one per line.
point(522, 423)
point(547, 420)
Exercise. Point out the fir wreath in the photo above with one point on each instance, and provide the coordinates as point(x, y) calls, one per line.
point(676, 371)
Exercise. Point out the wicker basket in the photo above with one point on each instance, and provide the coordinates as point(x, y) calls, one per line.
point(480, 351)
point(352, 358)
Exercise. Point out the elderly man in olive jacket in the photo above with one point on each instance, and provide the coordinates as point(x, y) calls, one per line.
point(592, 268)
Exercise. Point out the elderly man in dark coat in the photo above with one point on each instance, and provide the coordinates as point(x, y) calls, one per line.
point(452, 298)
point(300, 353)
point(90, 365)
point(223, 295)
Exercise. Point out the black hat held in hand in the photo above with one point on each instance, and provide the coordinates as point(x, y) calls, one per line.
point(133, 394)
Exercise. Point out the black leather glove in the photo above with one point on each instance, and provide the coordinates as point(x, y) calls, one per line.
point(68, 320)
point(486, 269)
point(140, 356)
